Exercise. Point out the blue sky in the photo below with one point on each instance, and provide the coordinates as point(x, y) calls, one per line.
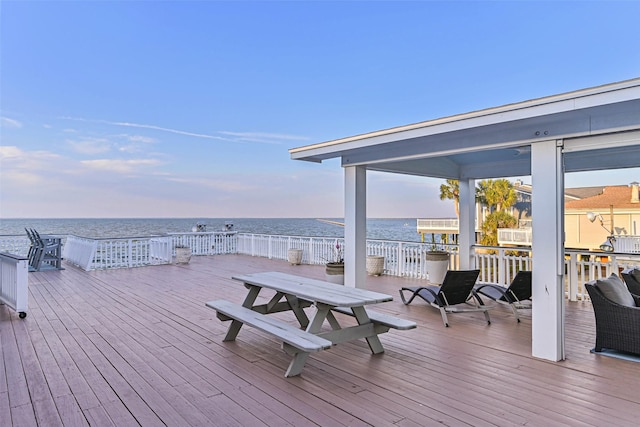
point(188, 109)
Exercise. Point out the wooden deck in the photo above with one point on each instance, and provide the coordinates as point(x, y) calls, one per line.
point(139, 347)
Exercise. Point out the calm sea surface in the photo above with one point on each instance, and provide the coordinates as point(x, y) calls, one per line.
point(403, 229)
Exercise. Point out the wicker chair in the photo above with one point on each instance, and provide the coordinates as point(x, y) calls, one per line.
point(630, 279)
point(617, 326)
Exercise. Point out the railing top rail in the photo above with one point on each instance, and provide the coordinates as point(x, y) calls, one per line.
point(200, 233)
point(13, 256)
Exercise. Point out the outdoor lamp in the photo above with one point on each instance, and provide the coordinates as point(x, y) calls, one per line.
point(593, 216)
point(607, 245)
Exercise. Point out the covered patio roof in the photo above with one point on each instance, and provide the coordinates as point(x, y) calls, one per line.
point(585, 130)
point(496, 142)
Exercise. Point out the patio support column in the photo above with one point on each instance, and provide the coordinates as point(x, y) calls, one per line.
point(355, 226)
point(547, 206)
point(466, 227)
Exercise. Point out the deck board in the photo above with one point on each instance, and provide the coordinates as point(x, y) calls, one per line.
point(139, 347)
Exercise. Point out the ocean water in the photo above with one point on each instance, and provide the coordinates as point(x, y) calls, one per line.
point(400, 229)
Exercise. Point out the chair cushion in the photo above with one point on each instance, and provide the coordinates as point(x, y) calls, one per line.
point(614, 289)
point(636, 274)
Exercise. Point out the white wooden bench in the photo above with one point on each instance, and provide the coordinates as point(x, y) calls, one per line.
point(293, 336)
point(381, 319)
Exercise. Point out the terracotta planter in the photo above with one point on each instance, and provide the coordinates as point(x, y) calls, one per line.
point(375, 265)
point(334, 272)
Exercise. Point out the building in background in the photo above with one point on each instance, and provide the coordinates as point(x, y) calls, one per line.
point(592, 216)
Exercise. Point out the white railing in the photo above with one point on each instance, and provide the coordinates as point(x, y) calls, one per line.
point(627, 244)
point(500, 265)
point(405, 259)
point(14, 282)
point(439, 225)
point(514, 236)
point(402, 259)
point(206, 243)
point(106, 253)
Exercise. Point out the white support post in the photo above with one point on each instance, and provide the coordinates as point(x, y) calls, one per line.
point(467, 229)
point(547, 175)
point(355, 226)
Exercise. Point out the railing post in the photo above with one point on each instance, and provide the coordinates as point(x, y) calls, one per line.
point(614, 265)
point(400, 263)
point(502, 261)
point(573, 277)
point(130, 253)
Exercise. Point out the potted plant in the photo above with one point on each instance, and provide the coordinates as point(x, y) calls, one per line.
point(183, 254)
point(334, 269)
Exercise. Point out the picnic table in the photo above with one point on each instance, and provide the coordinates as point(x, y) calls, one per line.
point(294, 294)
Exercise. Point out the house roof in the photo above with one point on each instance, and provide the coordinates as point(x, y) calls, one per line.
point(583, 192)
point(618, 196)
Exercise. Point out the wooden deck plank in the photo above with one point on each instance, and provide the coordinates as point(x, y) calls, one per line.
point(138, 347)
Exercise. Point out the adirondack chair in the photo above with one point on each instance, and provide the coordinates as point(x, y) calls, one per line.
point(46, 251)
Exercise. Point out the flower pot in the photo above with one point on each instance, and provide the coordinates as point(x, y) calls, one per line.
point(334, 272)
point(183, 255)
point(294, 256)
point(375, 265)
point(437, 265)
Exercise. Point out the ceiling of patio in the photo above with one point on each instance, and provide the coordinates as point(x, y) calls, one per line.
point(600, 128)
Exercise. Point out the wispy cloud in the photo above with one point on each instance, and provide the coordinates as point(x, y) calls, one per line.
point(152, 127)
point(120, 166)
point(90, 145)
point(10, 152)
point(268, 138)
point(139, 138)
point(6, 122)
point(229, 136)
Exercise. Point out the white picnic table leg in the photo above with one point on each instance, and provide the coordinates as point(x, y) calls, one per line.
point(297, 364)
point(374, 341)
point(300, 358)
point(294, 303)
point(235, 326)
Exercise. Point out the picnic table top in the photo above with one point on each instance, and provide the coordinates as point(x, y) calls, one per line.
point(313, 289)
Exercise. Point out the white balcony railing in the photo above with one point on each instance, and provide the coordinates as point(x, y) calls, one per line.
point(402, 259)
point(514, 236)
point(440, 225)
point(127, 252)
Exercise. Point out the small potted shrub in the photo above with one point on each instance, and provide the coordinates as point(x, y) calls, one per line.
point(334, 269)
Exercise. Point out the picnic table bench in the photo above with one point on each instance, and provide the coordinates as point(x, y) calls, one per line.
point(294, 293)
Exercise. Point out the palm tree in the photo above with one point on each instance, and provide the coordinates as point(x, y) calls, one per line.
point(497, 195)
point(451, 191)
